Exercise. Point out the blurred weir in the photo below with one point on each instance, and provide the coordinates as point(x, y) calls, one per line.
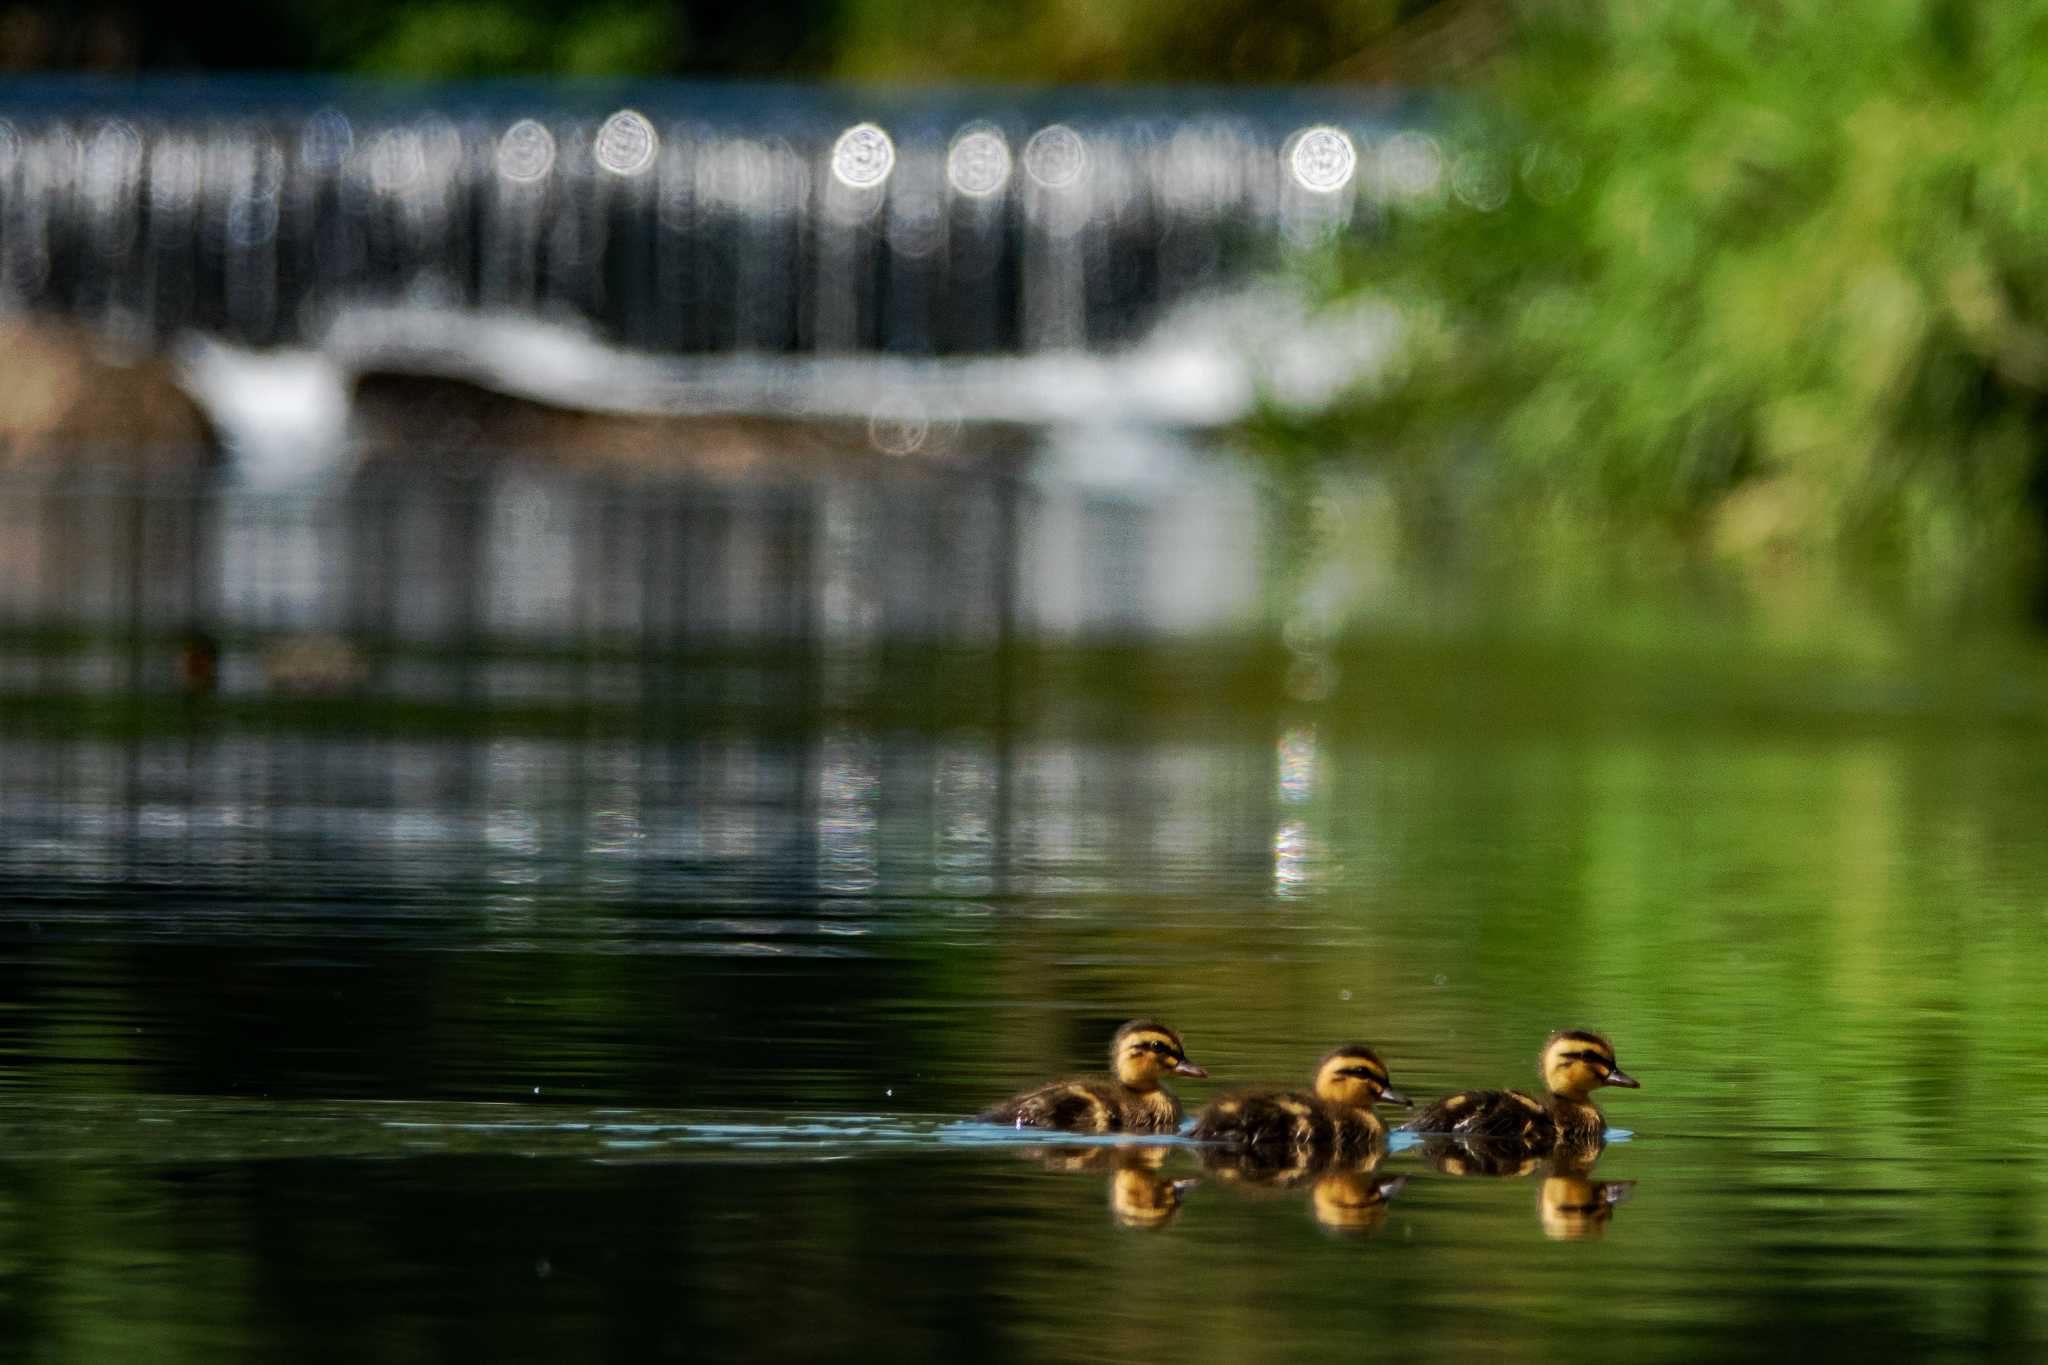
point(690, 220)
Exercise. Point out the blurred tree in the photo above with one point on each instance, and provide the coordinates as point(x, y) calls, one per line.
point(498, 37)
point(437, 38)
point(1763, 280)
point(1110, 40)
point(909, 40)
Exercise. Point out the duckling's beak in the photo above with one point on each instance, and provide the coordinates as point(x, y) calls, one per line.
point(1184, 1067)
point(1391, 1185)
point(1622, 1079)
point(1389, 1095)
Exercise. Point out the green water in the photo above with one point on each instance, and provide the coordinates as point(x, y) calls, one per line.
point(345, 1038)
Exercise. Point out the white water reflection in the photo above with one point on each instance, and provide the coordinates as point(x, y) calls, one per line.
point(553, 828)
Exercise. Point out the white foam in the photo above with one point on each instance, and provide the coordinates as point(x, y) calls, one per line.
point(284, 414)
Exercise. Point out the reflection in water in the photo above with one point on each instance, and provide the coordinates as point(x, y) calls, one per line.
point(1353, 1201)
point(1344, 1190)
point(1141, 1195)
point(1573, 1207)
point(1296, 850)
point(1570, 1204)
point(1478, 1157)
point(514, 579)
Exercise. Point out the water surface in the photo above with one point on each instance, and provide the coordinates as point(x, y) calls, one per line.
point(373, 1041)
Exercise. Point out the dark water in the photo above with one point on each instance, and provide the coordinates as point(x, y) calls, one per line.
point(358, 1042)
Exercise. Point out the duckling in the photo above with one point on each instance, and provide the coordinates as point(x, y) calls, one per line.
point(1337, 1118)
point(1131, 1101)
point(1575, 1063)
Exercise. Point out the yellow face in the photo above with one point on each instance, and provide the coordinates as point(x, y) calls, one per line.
point(1143, 1053)
point(1355, 1076)
point(1576, 1063)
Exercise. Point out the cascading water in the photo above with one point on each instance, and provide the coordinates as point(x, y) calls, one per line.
point(691, 221)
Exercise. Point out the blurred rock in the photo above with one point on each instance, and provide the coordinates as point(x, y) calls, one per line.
point(66, 400)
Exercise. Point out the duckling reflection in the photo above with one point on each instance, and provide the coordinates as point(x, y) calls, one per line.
point(1353, 1201)
point(1570, 1204)
point(1140, 1195)
point(1345, 1193)
point(1572, 1207)
point(1479, 1158)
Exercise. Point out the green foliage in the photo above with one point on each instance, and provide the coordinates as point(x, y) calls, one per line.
point(623, 40)
point(460, 38)
point(478, 38)
point(883, 40)
point(1107, 40)
point(1768, 281)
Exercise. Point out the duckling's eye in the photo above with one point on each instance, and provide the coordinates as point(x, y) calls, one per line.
point(1361, 1074)
point(1591, 1059)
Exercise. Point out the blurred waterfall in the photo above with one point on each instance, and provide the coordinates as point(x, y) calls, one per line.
point(695, 221)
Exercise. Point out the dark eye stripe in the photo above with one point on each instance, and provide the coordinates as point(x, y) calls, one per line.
point(1592, 1057)
point(1363, 1073)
